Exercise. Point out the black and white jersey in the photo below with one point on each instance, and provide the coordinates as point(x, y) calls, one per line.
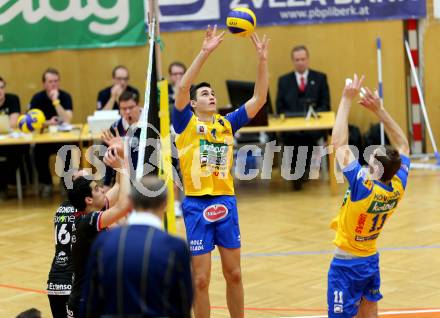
point(85, 230)
point(60, 275)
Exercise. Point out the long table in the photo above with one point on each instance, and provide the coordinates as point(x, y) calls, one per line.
point(80, 134)
point(44, 138)
point(325, 121)
point(73, 136)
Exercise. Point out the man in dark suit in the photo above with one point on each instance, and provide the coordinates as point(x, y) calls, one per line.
point(297, 91)
point(138, 270)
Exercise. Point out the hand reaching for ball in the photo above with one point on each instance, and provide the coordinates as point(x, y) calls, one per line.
point(108, 138)
point(261, 46)
point(352, 87)
point(212, 39)
point(113, 158)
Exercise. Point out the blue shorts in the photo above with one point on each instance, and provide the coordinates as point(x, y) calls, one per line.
point(349, 281)
point(209, 221)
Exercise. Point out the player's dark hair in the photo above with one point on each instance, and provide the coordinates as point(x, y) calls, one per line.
point(80, 190)
point(176, 63)
point(50, 70)
point(2, 80)
point(122, 67)
point(194, 88)
point(126, 96)
point(299, 48)
point(30, 313)
point(390, 161)
point(149, 194)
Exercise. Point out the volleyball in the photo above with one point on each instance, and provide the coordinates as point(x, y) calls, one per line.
point(31, 121)
point(38, 115)
point(241, 21)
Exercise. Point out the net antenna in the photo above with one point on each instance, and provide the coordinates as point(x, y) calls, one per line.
point(151, 23)
point(380, 81)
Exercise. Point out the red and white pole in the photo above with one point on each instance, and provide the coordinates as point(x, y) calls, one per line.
point(416, 114)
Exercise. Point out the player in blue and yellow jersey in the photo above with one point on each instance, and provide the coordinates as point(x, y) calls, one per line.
point(204, 141)
point(373, 195)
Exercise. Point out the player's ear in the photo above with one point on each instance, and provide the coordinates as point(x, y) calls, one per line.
point(193, 103)
point(88, 200)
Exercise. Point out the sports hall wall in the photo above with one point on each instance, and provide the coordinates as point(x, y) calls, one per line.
point(336, 49)
point(431, 49)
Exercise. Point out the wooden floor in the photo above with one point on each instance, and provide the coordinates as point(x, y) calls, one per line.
point(286, 251)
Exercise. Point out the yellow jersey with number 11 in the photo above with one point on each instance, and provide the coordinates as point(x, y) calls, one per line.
point(366, 207)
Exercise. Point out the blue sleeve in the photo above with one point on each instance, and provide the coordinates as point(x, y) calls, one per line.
point(402, 173)
point(360, 185)
point(238, 118)
point(180, 119)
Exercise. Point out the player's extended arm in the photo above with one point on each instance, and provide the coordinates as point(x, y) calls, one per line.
point(397, 137)
point(123, 203)
point(65, 114)
point(340, 130)
point(13, 118)
point(210, 43)
point(113, 194)
point(257, 101)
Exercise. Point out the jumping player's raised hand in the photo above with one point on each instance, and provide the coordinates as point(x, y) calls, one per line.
point(371, 101)
point(108, 138)
point(352, 87)
point(212, 39)
point(261, 45)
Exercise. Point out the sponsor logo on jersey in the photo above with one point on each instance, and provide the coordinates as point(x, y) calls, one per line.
point(361, 223)
point(380, 207)
point(387, 197)
point(61, 258)
point(64, 218)
point(59, 287)
point(216, 212)
point(359, 238)
point(368, 184)
point(201, 129)
point(66, 209)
